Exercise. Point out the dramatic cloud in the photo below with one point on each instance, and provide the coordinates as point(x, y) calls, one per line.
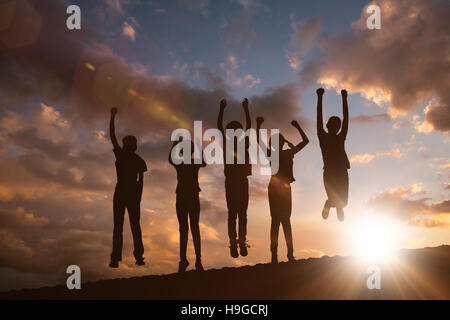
point(128, 31)
point(230, 68)
point(285, 96)
point(362, 158)
point(364, 119)
point(293, 59)
point(117, 5)
point(401, 64)
point(313, 253)
point(368, 157)
point(409, 204)
point(305, 32)
point(303, 36)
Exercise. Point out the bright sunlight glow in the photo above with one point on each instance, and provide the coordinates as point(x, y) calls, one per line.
point(374, 238)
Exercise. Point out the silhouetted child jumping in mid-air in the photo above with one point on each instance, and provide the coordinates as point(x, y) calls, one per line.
point(188, 206)
point(336, 164)
point(130, 170)
point(280, 195)
point(236, 182)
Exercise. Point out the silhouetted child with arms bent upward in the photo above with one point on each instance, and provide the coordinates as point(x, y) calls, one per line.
point(279, 190)
point(236, 182)
point(336, 164)
point(188, 206)
point(130, 170)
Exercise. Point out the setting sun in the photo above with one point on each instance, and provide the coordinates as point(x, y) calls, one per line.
point(374, 238)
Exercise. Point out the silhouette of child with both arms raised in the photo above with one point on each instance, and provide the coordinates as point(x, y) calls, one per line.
point(188, 206)
point(336, 164)
point(236, 181)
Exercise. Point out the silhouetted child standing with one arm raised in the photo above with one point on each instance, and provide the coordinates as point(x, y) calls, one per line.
point(280, 194)
point(188, 207)
point(130, 170)
point(336, 164)
point(236, 182)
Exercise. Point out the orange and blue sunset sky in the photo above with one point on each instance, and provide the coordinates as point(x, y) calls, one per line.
point(165, 64)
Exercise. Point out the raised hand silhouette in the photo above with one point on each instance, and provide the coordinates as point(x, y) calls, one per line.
point(259, 120)
point(245, 103)
point(223, 103)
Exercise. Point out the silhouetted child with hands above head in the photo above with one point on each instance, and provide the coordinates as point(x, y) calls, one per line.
point(236, 181)
point(188, 205)
point(130, 170)
point(279, 189)
point(336, 164)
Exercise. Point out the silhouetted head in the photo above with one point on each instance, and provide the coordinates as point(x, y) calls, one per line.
point(129, 144)
point(333, 125)
point(281, 141)
point(235, 125)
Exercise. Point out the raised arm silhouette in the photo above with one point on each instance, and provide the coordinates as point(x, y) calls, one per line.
point(188, 206)
point(336, 164)
point(279, 189)
point(130, 170)
point(236, 182)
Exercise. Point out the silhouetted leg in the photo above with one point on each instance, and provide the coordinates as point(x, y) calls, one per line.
point(243, 206)
point(326, 210)
point(182, 215)
point(343, 194)
point(243, 233)
point(340, 213)
point(134, 212)
point(345, 188)
point(194, 216)
point(232, 196)
point(274, 200)
point(242, 226)
point(119, 212)
point(232, 216)
point(287, 229)
point(232, 211)
point(286, 220)
point(274, 229)
point(336, 185)
point(328, 184)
